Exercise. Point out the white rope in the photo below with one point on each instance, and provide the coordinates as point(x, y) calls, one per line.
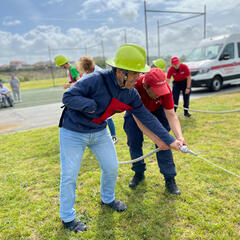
point(193, 153)
point(214, 164)
point(201, 111)
point(142, 157)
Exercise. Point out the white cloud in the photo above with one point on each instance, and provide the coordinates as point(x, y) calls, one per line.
point(130, 11)
point(9, 21)
point(215, 10)
point(127, 10)
point(33, 45)
point(176, 39)
point(126, 19)
point(88, 6)
point(50, 2)
point(192, 5)
point(110, 20)
point(216, 6)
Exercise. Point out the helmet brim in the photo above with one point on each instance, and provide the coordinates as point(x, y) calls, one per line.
point(112, 63)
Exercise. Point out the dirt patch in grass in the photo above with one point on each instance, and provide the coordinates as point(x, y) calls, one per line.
point(8, 126)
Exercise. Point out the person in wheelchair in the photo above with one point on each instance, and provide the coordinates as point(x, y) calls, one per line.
point(5, 96)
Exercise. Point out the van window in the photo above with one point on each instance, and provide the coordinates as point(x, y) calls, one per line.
point(239, 49)
point(204, 53)
point(228, 50)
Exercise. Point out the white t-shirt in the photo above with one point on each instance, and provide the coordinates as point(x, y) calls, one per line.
point(4, 90)
point(97, 68)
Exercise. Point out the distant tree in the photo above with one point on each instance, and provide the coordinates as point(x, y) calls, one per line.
point(25, 77)
point(100, 61)
point(5, 69)
point(183, 58)
point(168, 61)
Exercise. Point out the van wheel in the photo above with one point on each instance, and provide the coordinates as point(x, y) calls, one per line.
point(216, 84)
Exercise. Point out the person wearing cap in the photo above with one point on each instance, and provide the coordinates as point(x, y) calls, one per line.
point(181, 82)
point(88, 104)
point(5, 96)
point(87, 65)
point(156, 96)
point(73, 73)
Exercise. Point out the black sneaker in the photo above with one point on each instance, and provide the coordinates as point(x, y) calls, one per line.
point(116, 205)
point(188, 115)
point(137, 178)
point(171, 186)
point(75, 225)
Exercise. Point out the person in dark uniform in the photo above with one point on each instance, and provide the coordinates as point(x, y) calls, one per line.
point(157, 97)
point(181, 82)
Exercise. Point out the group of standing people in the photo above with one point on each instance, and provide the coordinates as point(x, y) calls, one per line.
point(86, 66)
point(5, 94)
point(93, 99)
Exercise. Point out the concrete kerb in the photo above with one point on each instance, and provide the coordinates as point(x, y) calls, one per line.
point(14, 120)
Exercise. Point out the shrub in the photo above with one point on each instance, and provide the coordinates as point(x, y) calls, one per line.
point(25, 78)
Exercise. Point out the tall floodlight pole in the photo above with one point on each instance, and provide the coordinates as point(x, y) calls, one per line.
point(103, 54)
point(158, 33)
point(51, 66)
point(125, 36)
point(196, 14)
point(102, 49)
point(204, 33)
point(146, 31)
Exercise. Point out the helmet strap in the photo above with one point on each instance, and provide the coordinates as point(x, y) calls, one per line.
point(125, 77)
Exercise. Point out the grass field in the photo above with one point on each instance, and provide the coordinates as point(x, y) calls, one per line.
point(40, 96)
point(209, 207)
point(40, 92)
point(41, 83)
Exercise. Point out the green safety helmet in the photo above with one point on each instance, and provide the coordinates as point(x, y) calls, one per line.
point(60, 60)
point(130, 57)
point(159, 63)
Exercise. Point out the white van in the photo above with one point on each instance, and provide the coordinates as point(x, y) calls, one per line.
point(215, 62)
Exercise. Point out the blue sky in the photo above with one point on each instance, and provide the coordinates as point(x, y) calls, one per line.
point(28, 27)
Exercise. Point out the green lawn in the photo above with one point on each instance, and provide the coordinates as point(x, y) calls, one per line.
point(40, 96)
point(40, 92)
point(209, 207)
point(45, 83)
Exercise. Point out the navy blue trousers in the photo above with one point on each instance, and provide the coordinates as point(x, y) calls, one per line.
point(177, 88)
point(135, 141)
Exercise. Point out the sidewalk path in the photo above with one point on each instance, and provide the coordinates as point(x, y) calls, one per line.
point(19, 119)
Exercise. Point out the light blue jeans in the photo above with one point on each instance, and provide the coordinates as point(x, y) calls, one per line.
point(72, 146)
